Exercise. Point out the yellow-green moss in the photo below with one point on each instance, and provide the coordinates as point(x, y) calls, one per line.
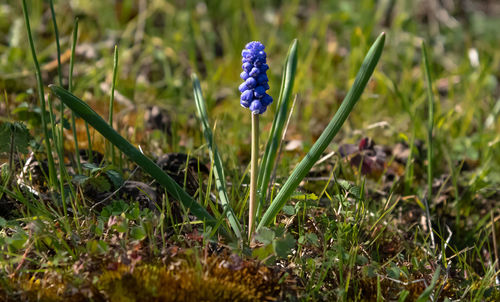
point(185, 283)
point(184, 278)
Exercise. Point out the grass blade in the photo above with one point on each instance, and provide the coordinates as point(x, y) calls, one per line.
point(269, 156)
point(112, 100)
point(57, 145)
point(430, 126)
point(329, 133)
point(58, 45)
point(70, 89)
point(426, 294)
point(41, 97)
point(84, 111)
point(220, 179)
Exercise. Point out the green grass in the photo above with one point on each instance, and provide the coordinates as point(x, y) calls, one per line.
point(421, 226)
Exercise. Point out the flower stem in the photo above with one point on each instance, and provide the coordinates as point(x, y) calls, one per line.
point(253, 174)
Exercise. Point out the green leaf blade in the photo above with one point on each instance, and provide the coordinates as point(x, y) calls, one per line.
point(269, 156)
point(89, 115)
point(220, 180)
point(329, 133)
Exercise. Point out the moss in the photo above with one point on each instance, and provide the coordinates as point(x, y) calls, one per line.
point(48, 287)
point(183, 278)
point(214, 282)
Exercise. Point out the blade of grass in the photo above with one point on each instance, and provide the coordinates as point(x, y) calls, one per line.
point(70, 89)
point(328, 134)
point(275, 166)
point(430, 126)
point(83, 110)
point(55, 137)
point(59, 141)
point(58, 45)
point(269, 156)
point(112, 100)
point(426, 294)
point(89, 142)
point(220, 179)
point(41, 97)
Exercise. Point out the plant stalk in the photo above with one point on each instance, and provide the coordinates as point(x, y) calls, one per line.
point(58, 45)
point(11, 155)
point(218, 170)
point(41, 97)
point(269, 157)
point(57, 146)
point(111, 102)
point(253, 174)
point(70, 89)
point(430, 127)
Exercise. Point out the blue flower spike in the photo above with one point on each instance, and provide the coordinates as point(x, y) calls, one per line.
point(254, 97)
point(253, 89)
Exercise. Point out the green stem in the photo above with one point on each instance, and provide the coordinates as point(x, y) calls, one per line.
point(218, 170)
point(430, 126)
point(41, 97)
point(91, 158)
point(58, 45)
point(12, 167)
point(61, 158)
point(268, 160)
point(70, 89)
point(112, 99)
point(253, 174)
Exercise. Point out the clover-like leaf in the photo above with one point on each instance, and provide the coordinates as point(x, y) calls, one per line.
point(18, 134)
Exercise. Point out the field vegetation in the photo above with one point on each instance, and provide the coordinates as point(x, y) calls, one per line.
point(126, 157)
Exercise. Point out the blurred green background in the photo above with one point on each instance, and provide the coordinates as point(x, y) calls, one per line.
point(162, 42)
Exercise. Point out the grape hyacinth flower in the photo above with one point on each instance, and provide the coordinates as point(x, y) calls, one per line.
point(254, 96)
point(253, 89)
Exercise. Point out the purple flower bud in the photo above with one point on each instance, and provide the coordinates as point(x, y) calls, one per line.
point(262, 78)
point(247, 95)
point(243, 87)
point(244, 75)
point(259, 61)
point(247, 66)
point(255, 46)
point(251, 82)
point(256, 107)
point(265, 85)
point(244, 104)
point(266, 100)
point(254, 72)
point(259, 91)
